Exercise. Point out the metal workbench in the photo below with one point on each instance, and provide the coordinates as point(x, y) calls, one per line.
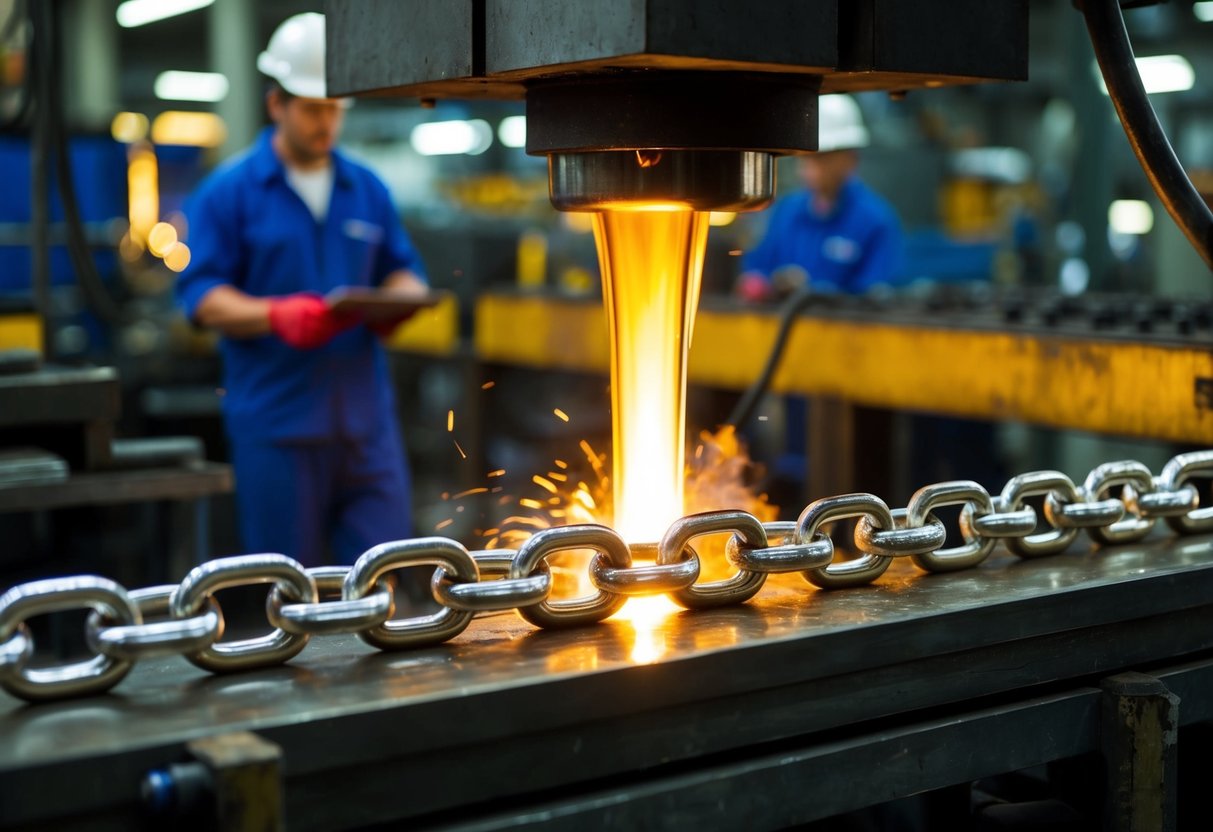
point(798, 705)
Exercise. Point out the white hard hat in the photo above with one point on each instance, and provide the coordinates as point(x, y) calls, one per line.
point(295, 55)
point(840, 124)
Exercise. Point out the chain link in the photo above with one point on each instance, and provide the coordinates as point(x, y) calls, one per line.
point(532, 557)
point(420, 630)
point(975, 500)
point(132, 642)
point(360, 599)
point(743, 585)
point(1137, 480)
point(901, 540)
point(21, 603)
point(198, 591)
point(862, 570)
point(1177, 472)
point(335, 615)
point(491, 596)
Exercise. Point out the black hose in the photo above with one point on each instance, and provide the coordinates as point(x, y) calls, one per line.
point(743, 411)
point(87, 277)
point(1106, 26)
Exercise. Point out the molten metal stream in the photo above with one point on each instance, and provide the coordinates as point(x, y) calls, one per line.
point(652, 266)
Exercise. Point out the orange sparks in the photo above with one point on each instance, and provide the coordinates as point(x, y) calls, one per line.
point(470, 492)
point(533, 522)
point(561, 464)
point(545, 484)
point(557, 476)
point(734, 252)
point(443, 524)
point(450, 421)
point(461, 453)
point(527, 502)
point(488, 385)
point(561, 415)
point(498, 473)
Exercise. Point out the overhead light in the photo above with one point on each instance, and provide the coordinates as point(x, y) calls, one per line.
point(512, 131)
point(129, 127)
point(1203, 9)
point(1008, 165)
point(175, 85)
point(191, 129)
point(134, 13)
point(449, 138)
point(1160, 73)
point(1130, 216)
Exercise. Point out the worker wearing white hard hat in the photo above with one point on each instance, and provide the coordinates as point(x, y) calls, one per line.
point(837, 233)
point(309, 409)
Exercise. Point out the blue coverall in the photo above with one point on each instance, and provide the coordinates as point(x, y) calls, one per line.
point(317, 452)
point(853, 248)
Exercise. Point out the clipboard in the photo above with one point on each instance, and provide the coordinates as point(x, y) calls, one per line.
point(373, 305)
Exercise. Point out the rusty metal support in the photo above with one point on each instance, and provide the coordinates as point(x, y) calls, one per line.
point(246, 774)
point(1140, 745)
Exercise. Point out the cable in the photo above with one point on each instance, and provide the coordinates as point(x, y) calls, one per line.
point(1110, 39)
point(91, 285)
point(743, 411)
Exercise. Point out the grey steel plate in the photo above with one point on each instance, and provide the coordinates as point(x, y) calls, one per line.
point(506, 710)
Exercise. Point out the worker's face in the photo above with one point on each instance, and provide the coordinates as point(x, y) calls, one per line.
point(825, 173)
point(309, 126)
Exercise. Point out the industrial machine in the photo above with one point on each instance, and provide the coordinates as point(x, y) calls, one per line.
point(790, 708)
point(719, 88)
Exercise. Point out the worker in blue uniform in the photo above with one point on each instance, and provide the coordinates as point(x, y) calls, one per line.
point(838, 233)
point(835, 236)
point(308, 406)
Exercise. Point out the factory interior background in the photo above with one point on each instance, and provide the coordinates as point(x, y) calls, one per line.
point(998, 187)
point(1022, 205)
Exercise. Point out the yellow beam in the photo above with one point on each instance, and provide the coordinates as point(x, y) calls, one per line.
point(1106, 386)
point(21, 331)
point(433, 331)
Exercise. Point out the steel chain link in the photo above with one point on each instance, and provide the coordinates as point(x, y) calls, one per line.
point(188, 618)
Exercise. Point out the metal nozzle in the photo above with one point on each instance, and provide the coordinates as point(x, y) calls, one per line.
point(699, 180)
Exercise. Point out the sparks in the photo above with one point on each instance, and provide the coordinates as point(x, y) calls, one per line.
point(443, 524)
point(560, 414)
point(450, 421)
point(557, 476)
point(470, 492)
point(488, 385)
point(461, 453)
point(527, 502)
point(498, 473)
point(545, 484)
point(561, 464)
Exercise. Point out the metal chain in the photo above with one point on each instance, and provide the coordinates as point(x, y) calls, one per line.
point(360, 599)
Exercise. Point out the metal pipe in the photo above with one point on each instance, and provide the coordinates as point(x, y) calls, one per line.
point(1106, 26)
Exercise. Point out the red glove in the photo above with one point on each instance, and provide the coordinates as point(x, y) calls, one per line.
point(305, 322)
point(754, 288)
